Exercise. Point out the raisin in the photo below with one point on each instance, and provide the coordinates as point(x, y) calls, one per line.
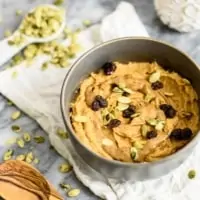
point(114, 123)
point(186, 133)
point(181, 134)
point(176, 134)
point(109, 68)
point(151, 134)
point(129, 112)
point(169, 111)
point(95, 105)
point(125, 94)
point(102, 102)
point(157, 85)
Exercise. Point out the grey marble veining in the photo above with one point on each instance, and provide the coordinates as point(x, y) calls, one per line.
point(77, 10)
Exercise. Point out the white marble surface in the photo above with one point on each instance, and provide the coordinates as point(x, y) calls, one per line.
point(77, 11)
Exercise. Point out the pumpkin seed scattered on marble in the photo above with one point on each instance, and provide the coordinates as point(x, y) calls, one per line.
point(87, 22)
point(73, 192)
point(62, 133)
point(58, 2)
point(8, 154)
point(18, 12)
point(7, 33)
point(39, 139)
point(29, 157)
point(191, 174)
point(16, 128)
point(154, 77)
point(21, 157)
point(36, 161)
point(65, 167)
point(14, 74)
point(44, 66)
point(27, 137)
point(15, 115)
point(20, 143)
point(65, 186)
point(9, 103)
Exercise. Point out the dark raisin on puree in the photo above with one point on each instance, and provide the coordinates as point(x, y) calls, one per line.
point(129, 111)
point(181, 134)
point(95, 105)
point(157, 85)
point(99, 102)
point(169, 111)
point(113, 123)
point(109, 68)
point(125, 94)
point(151, 134)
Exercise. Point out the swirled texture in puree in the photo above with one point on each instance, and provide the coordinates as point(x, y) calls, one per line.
point(127, 140)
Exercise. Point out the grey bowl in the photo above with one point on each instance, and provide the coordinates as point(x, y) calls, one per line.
point(128, 49)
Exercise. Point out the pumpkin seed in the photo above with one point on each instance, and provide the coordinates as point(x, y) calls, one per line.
point(125, 100)
point(36, 161)
point(16, 115)
point(58, 2)
point(117, 90)
point(191, 174)
point(138, 145)
point(8, 154)
point(144, 130)
point(122, 106)
point(154, 77)
point(39, 139)
point(169, 94)
point(152, 122)
point(16, 128)
point(18, 12)
point(14, 74)
point(134, 153)
point(65, 186)
point(64, 168)
point(44, 66)
point(160, 125)
point(21, 157)
point(9, 103)
point(29, 157)
point(81, 118)
point(87, 22)
point(27, 137)
point(149, 97)
point(73, 193)
point(186, 81)
point(62, 133)
point(20, 143)
point(128, 90)
point(107, 142)
point(135, 115)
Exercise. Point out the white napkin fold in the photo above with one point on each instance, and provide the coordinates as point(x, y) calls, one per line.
point(37, 93)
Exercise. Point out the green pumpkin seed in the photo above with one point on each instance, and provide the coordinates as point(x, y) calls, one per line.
point(39, 139)
point(44, 66)
point(128, 90)
point(87, 22)
point(27, 137)
point(16, 128)
point(160, 125)
point(154, 77)
point(117, 90)
point(73, 193)
point(20, 143)
point(138, 145)
point(36, 161)
point(64, 168)
point(15, 115)
point(65, 186)
point(144, 130)
point(191, 174)
point(134, 153)
point(29, 157)
point(152, 122)
point(18, 12)
point(8, 155)
point(62, 134)
point(21, 157)
point(135, 115)
point(58, 2)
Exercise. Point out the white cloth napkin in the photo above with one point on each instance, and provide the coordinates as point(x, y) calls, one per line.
point(37, 93)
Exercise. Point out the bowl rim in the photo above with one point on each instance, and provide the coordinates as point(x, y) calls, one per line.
point(67, 123)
